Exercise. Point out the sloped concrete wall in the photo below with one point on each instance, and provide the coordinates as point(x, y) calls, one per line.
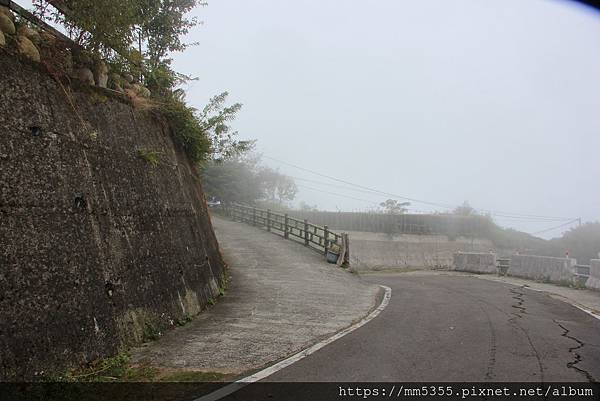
point(557, 270)
point(99, 247)
point(475, 262)
point(593, 282)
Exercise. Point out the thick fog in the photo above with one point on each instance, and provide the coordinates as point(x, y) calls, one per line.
point(494, 102)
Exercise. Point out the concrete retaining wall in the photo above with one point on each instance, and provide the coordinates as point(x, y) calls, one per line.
point(557, 270)
point(475, 262)
point(593, 282)
point(99, 248)
point(372, 251)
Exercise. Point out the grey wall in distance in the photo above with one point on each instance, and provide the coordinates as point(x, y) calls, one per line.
point(539, 268)
point(543, 268)
point(453, 226)
point(475, 262)
point(98, 246)
point(377, 250)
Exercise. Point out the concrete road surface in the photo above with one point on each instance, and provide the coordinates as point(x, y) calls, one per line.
point(282, 298)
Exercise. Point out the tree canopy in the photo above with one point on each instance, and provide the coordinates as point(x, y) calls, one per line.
point(393, 206)
point(138, 37)
point(241, 178)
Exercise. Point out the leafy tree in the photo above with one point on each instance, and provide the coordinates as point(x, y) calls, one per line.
point(154, 27)
point(241, 178)
point(582, 242)
point(393, 206)
point(138, 37)
point(277, 186)
point(464, 210)
point(99, 25)
point(231, 181)
point(215, 118)
point(163, 25)
point(305, 207)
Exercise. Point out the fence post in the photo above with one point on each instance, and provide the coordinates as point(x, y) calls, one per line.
point(285, 227)
point(305, 232)
point(268, 219)
point(347, 253)
point(254, 216)
point(326, 238)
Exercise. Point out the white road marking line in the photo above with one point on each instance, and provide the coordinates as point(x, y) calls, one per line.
point(565, 300)
point(589, 312)
point(237, 385)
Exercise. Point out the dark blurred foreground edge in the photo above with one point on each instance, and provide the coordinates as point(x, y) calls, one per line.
point(592, 3)
point(298, 391)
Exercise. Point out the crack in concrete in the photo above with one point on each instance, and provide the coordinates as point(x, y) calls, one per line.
point(578, 357)
point(513, 320)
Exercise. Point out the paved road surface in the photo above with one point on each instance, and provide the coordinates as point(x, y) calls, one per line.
point(282, 298)
point(444, 328)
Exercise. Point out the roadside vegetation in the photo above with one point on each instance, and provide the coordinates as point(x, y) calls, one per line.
point(136, 39)
point(242, 178)
point(120, 369)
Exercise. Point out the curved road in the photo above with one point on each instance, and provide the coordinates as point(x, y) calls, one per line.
point(448, 328)
point(441, 328)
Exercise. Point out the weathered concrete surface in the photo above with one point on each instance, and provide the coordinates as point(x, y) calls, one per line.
point(593, 282)
point(372, 251)
point(282, 298)
point(475, 262)
point(98, 247)
point(557, 270)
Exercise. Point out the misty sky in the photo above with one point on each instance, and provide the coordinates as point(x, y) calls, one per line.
point(494, 102)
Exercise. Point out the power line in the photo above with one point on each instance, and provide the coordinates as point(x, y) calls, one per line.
point(554, 228)
point(446, 206)
point(336, 194)
point(333, 185)
point(360, 186)
point(496, 216)
point(525, 219)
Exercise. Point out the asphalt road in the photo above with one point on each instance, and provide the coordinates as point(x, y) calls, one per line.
point(440, 328)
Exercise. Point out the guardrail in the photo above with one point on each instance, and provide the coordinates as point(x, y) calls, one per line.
point(318, 238)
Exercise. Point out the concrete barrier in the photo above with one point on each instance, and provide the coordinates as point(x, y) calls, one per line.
point(543, 268)
point(593, 282)
point(475, 262)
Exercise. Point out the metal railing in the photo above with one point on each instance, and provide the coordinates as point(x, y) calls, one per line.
point(318, 238)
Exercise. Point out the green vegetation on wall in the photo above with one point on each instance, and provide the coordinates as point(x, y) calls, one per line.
point(136, 39)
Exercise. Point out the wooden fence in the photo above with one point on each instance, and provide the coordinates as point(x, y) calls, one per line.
point(318, 238)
